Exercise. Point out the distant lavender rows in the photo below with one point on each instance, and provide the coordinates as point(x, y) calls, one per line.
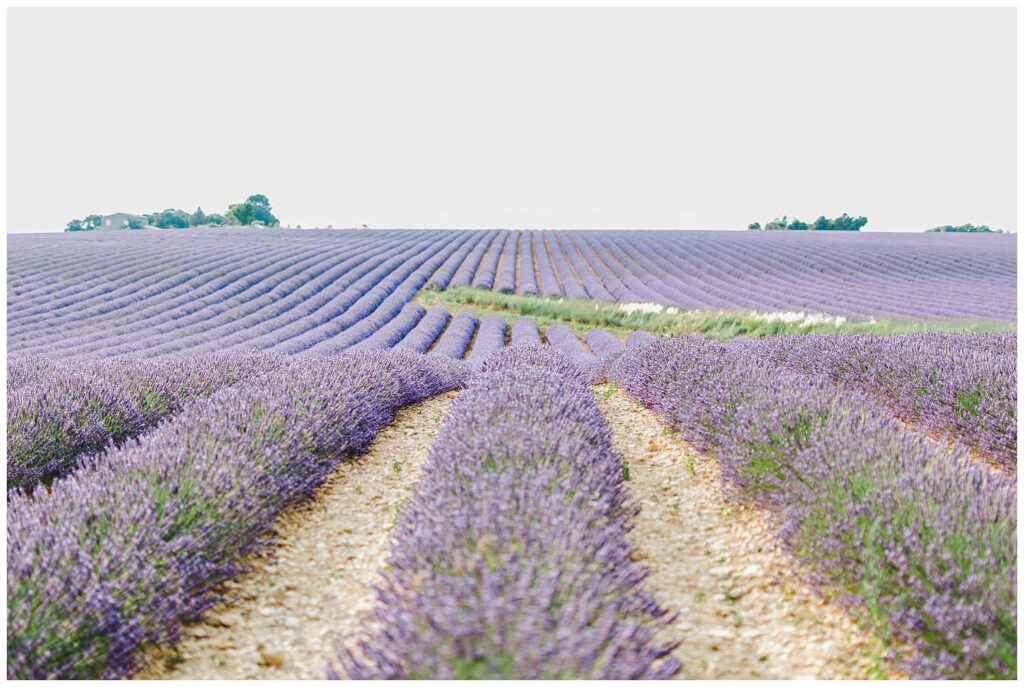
point(130, 546)
point(922, 541)
point(511, 559)
point(158, 292)
point(60, 413)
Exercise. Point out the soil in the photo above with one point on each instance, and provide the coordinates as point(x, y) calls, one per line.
point(305, 595)
point(744, 611)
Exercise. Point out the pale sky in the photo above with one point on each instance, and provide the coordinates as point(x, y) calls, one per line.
point(665, 118)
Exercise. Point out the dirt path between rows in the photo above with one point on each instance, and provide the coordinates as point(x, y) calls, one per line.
point(744, 612)
point(303, 596)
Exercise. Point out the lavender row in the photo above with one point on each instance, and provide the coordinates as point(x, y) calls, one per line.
point(426, 331)
point(921, 541)
point(394, 331)
point(467, 270)
point(959, 384)
point(71, 411)
point(511, 558)
point(490, 338)
point(456, 338)
point(489, 264)
point(506, 281)
point(603, 344)
point(444, 274)
point(118, 555)
point(547, 277)
point(565, 340)
point(527, 283)
point(525, 331)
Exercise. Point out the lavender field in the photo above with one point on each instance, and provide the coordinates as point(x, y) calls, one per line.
point(180, 403)
point(321, 292)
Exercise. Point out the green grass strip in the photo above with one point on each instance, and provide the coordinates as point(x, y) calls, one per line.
point(583, 314)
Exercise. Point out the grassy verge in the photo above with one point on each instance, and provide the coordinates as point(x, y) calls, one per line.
point(583, 315)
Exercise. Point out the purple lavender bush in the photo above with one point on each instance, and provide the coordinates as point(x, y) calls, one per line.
point(75, 410)
point(426, 331)
point(490, 338)
point(506, 281)
point(456, 337)
point(602, 343)
point(525, 331)
point(527, 282)
point(131, 545)
point(964, 385)
point(565, 340)
point(921, 540)
point(511, 558)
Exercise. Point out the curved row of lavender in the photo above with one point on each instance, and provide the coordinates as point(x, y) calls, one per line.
point(922, 541)
point(58, 412)
point(511, 558)
point(963, 385)
point(158, 292)
point(125, 549)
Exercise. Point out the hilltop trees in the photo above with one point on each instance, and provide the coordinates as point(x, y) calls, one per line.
point(87, 224)
point(842, 223)
point(253, 211)
point(966, 229)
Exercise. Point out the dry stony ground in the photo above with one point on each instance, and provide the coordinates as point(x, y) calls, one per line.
point(301, 597)
point(743, 610)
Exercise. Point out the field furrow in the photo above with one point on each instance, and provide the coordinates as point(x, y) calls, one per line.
point(307, 592)
point(744, 611)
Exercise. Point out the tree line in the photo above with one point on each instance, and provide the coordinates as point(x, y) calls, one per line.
point(842, 223)
point(253, 211)
point(966, 229)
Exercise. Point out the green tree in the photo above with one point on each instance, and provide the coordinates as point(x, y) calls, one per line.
point(170, 218)
point(846, 223)
point(797, 225)
point(75, 225)
point(92, 221)
point(255, 209)
point(240, 213)
point(215, 219)
point(821, 224)
point(754, 226)
point(198, 217)
point(966, 229)
point(134, 223)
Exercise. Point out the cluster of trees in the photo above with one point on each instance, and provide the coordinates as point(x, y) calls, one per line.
point(253, 211)
point(967, 229)
point(842, 223)
point(87, 224)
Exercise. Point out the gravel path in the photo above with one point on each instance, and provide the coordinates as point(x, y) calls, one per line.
point(744, 612)
point(301, 597)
